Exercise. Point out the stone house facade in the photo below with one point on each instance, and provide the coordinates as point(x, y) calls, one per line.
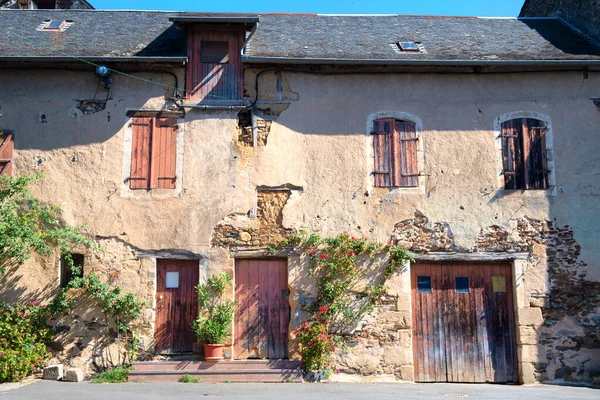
point(472, 142)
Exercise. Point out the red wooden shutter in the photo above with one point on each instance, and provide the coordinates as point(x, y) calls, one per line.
point(140, 154)
point(382, 132)
point(164, 153)
point(405, 171)
point(512, 154)
point(534, 143)
point(7, 147)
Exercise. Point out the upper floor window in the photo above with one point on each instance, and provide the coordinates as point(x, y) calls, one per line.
point(395, 153)
point(214, 69)
point(7, 146)
point(524, 154)
point(153, 153)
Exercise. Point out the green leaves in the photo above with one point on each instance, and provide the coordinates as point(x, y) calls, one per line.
point(213, 325)
point(27, 225)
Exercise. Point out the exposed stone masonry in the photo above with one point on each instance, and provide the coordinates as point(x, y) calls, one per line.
point(414, 235)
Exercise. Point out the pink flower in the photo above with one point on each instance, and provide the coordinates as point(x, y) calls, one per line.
point(352, 254)
point(323, 309)
point(309, 342)
point(323, 256)
point(305, 323)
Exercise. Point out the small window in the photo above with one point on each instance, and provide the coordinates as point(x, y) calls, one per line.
point(499, 284)
point(408, 46)
point(424, 284)
point(172, 280)
point(214, 52)
point(395, 153)
point(524, 157)
point(462, 284)
point(7, 146)
point(67, 273)
point(154, 153)
point(54, 25)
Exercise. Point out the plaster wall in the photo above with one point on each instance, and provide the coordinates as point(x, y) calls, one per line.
point(318, 146)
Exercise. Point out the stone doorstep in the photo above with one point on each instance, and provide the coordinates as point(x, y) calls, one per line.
point(238, 376)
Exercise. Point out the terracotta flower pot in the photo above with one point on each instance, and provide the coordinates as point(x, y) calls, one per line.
point(213, 352)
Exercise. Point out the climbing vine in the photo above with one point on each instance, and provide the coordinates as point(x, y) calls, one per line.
point(340, 265)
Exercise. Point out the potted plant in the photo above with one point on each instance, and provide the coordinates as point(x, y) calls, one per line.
point(213, 324)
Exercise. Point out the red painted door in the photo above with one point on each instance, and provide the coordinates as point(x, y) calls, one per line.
point(176, 306)
point(263, 311)
point(463, 323)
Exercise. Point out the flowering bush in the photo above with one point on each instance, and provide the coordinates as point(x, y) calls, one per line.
point(24, 340)
point(316, 345)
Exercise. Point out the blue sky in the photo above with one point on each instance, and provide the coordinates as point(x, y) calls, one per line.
point(482, 8)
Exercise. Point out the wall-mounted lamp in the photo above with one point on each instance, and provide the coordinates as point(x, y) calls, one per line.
point(103, 72)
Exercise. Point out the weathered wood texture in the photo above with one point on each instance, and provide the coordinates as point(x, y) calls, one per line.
point(524, 154)
point(395, 153)
point(263, 312)
point(7, 147)
point(153, 153)
point(464, 337)
point(214, 80)
point(176, 308)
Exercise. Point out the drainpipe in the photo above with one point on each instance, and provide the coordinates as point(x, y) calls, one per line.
point(254, 128)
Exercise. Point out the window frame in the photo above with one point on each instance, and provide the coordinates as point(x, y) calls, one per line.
point(369, 176)
point(551, 189)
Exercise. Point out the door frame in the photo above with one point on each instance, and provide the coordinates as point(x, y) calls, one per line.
point(239, 255)
point(518, 262)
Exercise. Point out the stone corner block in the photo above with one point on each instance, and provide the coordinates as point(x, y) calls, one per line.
point(53, 372)
point(407, 373)
point(530, 316)
point(527, 374)
point(74, 375)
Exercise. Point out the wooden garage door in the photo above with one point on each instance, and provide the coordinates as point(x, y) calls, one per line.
point(263, 311)
point(463, 323)
point(176, 305)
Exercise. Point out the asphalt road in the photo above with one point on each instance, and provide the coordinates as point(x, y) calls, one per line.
point(44, 390)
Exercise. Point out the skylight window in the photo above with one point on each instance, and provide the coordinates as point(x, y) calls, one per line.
point(408, 46)
point(54, 25)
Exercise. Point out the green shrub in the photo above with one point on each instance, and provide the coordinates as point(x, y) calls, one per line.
point(24, 340)
point(213, 324)
point(187, 378)
point(113, 375)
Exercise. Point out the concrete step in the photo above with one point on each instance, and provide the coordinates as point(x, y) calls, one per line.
point(224, 371)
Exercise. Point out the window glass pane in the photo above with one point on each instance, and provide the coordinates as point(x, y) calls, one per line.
point(499, 284)
point(424, 284)
point(462, 284)
point(172, 281)
point(214, 52)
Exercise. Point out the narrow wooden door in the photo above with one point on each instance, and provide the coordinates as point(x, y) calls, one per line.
point(463, 323)
point(263, 310)
point(176, 306)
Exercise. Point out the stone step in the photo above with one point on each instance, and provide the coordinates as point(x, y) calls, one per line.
point(224, 371)
point(219, 366)
point(210, 376)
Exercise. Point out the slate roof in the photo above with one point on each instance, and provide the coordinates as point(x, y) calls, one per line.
point(320, 38)
point(93, 34)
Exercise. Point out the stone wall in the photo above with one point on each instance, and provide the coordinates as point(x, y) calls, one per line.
point(75, 4)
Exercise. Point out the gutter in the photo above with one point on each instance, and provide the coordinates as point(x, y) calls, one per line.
point(469, 63)
point(94, 59)
point(221, 20)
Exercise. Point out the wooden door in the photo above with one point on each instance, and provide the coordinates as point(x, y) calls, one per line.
point(463, 323)
point(176, 306)
point(263, 310)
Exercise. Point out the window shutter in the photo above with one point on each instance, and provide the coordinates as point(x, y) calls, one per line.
point(140, 155)
point(7, 147)
point(164, 153)
point(405, 171)
point(534, 143)
point(512, 154)
point(382, 132)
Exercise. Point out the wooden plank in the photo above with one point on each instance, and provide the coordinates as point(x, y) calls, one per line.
point(395, 155)
point(241, 315)
point(165, 157)
point(263, 309)
point(284, 313)
point(469, 257)
point(274, 293)
point(253, 309)
point(139, 177)
point(7, 147)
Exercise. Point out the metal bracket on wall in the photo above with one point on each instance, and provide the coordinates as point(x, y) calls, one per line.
point(596, 101)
